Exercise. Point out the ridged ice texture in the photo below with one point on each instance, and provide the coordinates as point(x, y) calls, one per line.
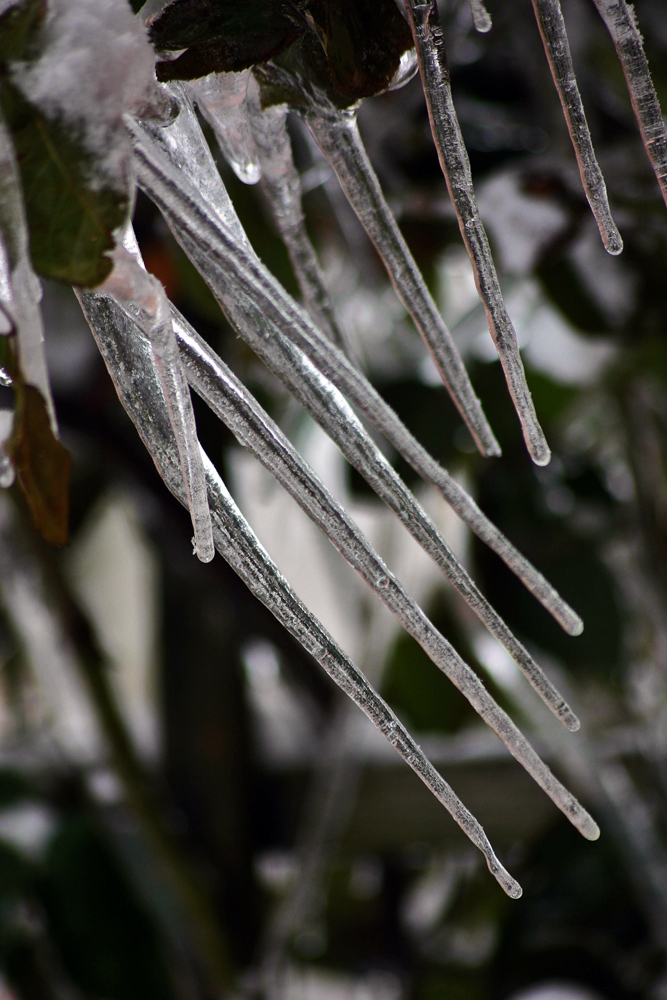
point(221, 98)
point(132, 369)
point(229, 399)
point(270, 330)
point(619, 18)
point(282, 185)
point(429, 42)
point(337, 135)
point(554, 37)
point(134, 289)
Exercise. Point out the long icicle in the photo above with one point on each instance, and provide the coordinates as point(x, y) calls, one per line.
point(443, 655)
point(551, 23)
point(619, 18)
point(130, 363)
point(427, 33)
point(189, 215)
point(231, 401)
point(337, 135)
point(282, 186)
point(131, 286)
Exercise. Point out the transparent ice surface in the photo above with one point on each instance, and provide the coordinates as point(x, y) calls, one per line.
point(282, 185)
point(221, 98)
point(250, 282)
point(621, 23)
point(554, 37)
point(337, 135)
point(133, 370)
point(429, 42)
point(266, 317)
point(133, 288)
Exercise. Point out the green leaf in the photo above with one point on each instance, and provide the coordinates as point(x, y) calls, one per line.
point(71, 218)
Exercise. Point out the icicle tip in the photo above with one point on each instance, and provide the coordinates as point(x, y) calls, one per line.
point(569, 719)
point(503, 877)
point(613, 242)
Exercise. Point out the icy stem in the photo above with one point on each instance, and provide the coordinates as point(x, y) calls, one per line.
point(229, 399)
point(265, 315)
point(282, 186)
point(427, 33)
point(133, 288)
point(554, 37)
point(619, 18)
point(132, 368)
point(221, 98)
point(337, 135)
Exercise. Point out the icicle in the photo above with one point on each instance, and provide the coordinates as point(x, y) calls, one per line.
point(282, 186)
point(229, 399)
point(128, 361)
point(337, 135)
point(619, 18)
point(480, 16)
point(243, 285)
point(221, 98)
point(134, 288)
point(425, 23)
point(20, 290)
point(554, 37)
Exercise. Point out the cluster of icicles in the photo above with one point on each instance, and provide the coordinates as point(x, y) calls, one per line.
point(154, 357)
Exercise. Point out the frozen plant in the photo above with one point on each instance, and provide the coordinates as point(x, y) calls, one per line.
point(84, 121)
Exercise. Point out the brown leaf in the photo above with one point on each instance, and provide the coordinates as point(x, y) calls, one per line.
point(42, 465)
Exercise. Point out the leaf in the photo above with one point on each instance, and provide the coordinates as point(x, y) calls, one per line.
point(42, 465)
point(224, 36)
point(71, 218)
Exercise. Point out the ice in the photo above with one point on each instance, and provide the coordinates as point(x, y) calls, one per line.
point(554, 37)
point(221, 98)
point(228, 398)
point(246, 288)
point(97, 64)
point(619, 18)
point(248, 277)
point(429, 42)
point(337, 135)
point(20, 290)
point(282, 186)
point(133, 288)
point(130, 364)
point(480, 16)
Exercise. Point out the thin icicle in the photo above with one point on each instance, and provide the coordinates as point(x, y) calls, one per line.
point(554, 37)
point(337, 135)
point(221, 98)
point(20, 290)
point(480, 16)
point(128, 361)
point(429, 42)
point(132, 287)
point(619, 18)
point(268, 319)
point(229, 399)
point(282, 186)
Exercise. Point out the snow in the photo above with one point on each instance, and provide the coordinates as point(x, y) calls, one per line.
point(97, 65)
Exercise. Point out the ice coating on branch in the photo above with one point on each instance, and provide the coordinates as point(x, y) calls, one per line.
point(221, 98)
point(554, 37)
point(427, 32)
point(196, 227)
point(619, 18)
point(133, 288)
point(255, 430)
point(282, 186)
point(97, 65)
point(337, 135)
